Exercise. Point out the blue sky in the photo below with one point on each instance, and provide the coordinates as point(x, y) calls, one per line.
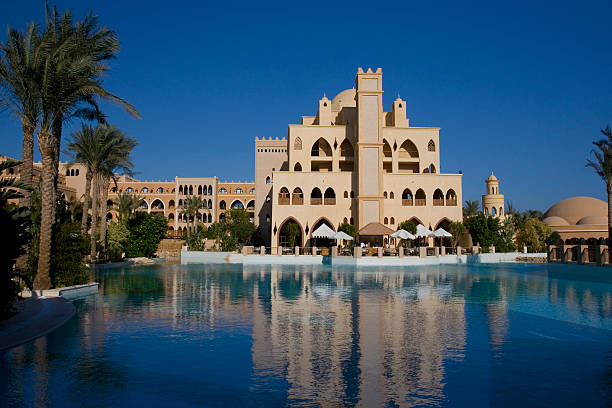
point(517, 87)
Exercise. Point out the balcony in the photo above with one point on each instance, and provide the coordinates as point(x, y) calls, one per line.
point(316, 201)
point(283, 200)
point(438, 202)
point(298, 200)
point(451, 202)
point(329, 201)
point(406, 201)
point(420, 202)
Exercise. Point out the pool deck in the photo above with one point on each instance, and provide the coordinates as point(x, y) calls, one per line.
point(202, 257)
point(36, 316)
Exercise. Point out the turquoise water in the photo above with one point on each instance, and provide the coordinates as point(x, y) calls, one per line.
point(233, 336)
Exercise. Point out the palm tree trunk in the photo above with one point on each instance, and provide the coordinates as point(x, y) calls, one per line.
point(609, 188)
point(94, 215)
point(103, 210)
point(27, 159)
point(86, 202)
point(46, 144)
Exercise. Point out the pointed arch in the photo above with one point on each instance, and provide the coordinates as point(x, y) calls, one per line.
point(251, 205)
point(222, 205)
point(157, 204)
point(451, 198)
point(297, 196)
point(346, 149)
point(431, 146)
point(297, 167)
point(321, 148)
point(283, 196)
point(407, 198)
point(316, 198)
point(284, 233)
point(443, 223)
point(329, 198)
point(297, 145)
point(408, 150)
point(237, 204)
point(387, 153)
point(420, 199)
point(438, 198)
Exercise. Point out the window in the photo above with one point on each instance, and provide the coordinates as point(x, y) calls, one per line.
point(160, 190)
point(431, 146)
point(297, 167)
point(113, 190)
point(392, 221)
point(297, 145)
point(252, 191)
point(386, 221)
point(129, 190)
point(391, 195)
point(238, 191)
point(268, 180)
point(145, 190)
point(222, 190)
point(222, 205)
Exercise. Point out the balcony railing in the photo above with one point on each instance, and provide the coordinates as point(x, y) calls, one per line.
point(451, 202)
point(437, 202)
point(283, 200)
point(329, 201)
point(298, 200)
point(406, 201)
point(315, 201)
point(420, 202)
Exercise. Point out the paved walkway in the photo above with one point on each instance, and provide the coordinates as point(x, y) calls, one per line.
point(35, 317)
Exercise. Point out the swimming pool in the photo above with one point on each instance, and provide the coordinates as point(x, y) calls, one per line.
point(228, 335)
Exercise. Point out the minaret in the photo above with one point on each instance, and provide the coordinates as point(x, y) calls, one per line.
point(369, 145)
point(492, 201)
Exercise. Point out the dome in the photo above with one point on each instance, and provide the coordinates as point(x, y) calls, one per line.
point(576, 209)
point(592, 220)
point(345, 98)
point(556, 221)
point(492, 177)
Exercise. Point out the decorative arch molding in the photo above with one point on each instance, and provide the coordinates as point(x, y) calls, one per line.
point(318, 222)
point(237, 204)
point(302, 234)
point(443, 223)
point(297, 145)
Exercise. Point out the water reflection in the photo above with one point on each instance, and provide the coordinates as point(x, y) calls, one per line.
point(274, 335)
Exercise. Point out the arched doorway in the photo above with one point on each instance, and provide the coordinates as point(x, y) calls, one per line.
point(321, 242)
point(290, 233)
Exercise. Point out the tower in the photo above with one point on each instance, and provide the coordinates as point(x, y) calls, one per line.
point(492, 201)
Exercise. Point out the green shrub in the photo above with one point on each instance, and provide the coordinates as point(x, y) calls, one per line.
point(146, 232)
point(117, 237)
point(407, 225)
point(195, 239)
point(534, 235)
point(68, 261)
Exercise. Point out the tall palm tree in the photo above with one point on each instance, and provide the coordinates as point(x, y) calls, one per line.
point(602, 164)
point(470, 208)
point(70, 85)
point(191, 208)
point(127, 203)
point(20, 61)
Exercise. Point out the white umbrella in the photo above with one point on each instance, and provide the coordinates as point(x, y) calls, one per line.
point(343, 235)
point(323, 232)
point(421, 231)
point(403, 234)
point(441, 232)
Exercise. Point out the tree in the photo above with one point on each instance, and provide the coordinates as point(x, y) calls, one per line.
point(146, 232)
point(602, 164)
point(69, 83)
point(191, 208)
point(195, 238)
point(127, 204)
point(534, 235)
point(238, 225)
point(19, 69)
point(348, 229)
point(293, 231)
point(407, 225)
point(485, 230)
point(118, 236)
point(470, 208)
point(457, 229)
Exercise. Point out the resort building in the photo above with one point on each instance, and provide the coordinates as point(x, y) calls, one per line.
point(353, 162)
point(578, 218)
point(492, 200)
point(231, 194)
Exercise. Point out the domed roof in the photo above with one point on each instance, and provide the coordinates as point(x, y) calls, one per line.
point(492, 177)
point(344, 98)
point(556, 221)
point(574, 209)
point(592, 220)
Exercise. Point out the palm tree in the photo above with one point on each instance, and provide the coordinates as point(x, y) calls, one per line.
point(191, 208)
point(69, 84)
point(126, 205)
point(19, 68)
point(470, 208)
point(603, 167)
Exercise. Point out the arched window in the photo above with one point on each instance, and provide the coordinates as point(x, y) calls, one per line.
point(113, 190)
point(67, 172)
point(351, 221)
point(430, 169)
point(129, 190)
point(493, 211)
point(283, 196)
point(209, 218)
point(171, 216)
point(222, 190)
point(209, 204)
point(144, 190)
point(180, 202)
point(209, 190)
point(109, 204)
point(238, 191)
point(330, 197)
point(408, 150)
point(316, 198)
point(386, 221)
point(72, 172)
point(199, 190)
point(171, 204)
point(297, 145)
point(346, 149)
point(387, 149)
point(160, 190)
point(181, 190)
point(391, 195)
point(352, 194)
point(190, 190)
point(451, 197)
point(76, 173)
point(144, 205)
point(237, 204)
point(407, 197)
point(222, 205)
point(501, 211)
point(321, 148)
point(438, 197)
point(385, 195)
point(268, 180)
point(486, 211)
point(346, 194)
point(251, 205)
point(253, 190)
point(420, 198)
point(392, 221)
point(431, 146)
point(297, 196)
point(345, 220)
point(157, 205)
point(297, 167)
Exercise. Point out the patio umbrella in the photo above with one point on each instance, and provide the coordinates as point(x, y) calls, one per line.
point(403, 234)
point(323, 232)
point(343, 235)
point(442, 233)
point(421, 231)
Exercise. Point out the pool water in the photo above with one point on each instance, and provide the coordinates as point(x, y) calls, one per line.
point(234, 336)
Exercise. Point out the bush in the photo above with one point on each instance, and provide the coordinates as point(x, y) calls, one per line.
point(484, 230)
point(408, 225)
point(14, 222)
point(117, 237)
point(146, 232)
point(68, 261)
point(534, 235)
point(195, 239)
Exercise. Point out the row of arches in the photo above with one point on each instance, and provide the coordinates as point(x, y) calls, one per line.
point(190, 190)
point(296, 197)
point(207, 205)
point(322, 148)
point(494, 211)
point(237, 204)
point(144, 190)
point(70, 172)
point(420, 198)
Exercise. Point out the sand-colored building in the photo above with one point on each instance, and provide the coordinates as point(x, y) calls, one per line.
point(492, 200)
point(235, 194)
point(353, 162)
point(577, 218)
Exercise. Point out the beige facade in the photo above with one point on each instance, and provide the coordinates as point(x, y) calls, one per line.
point(353, 162)
point(235, 194)
point(492, 200)
point(578, 218)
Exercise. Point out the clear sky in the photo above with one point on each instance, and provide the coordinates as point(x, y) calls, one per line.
point(518, 88)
